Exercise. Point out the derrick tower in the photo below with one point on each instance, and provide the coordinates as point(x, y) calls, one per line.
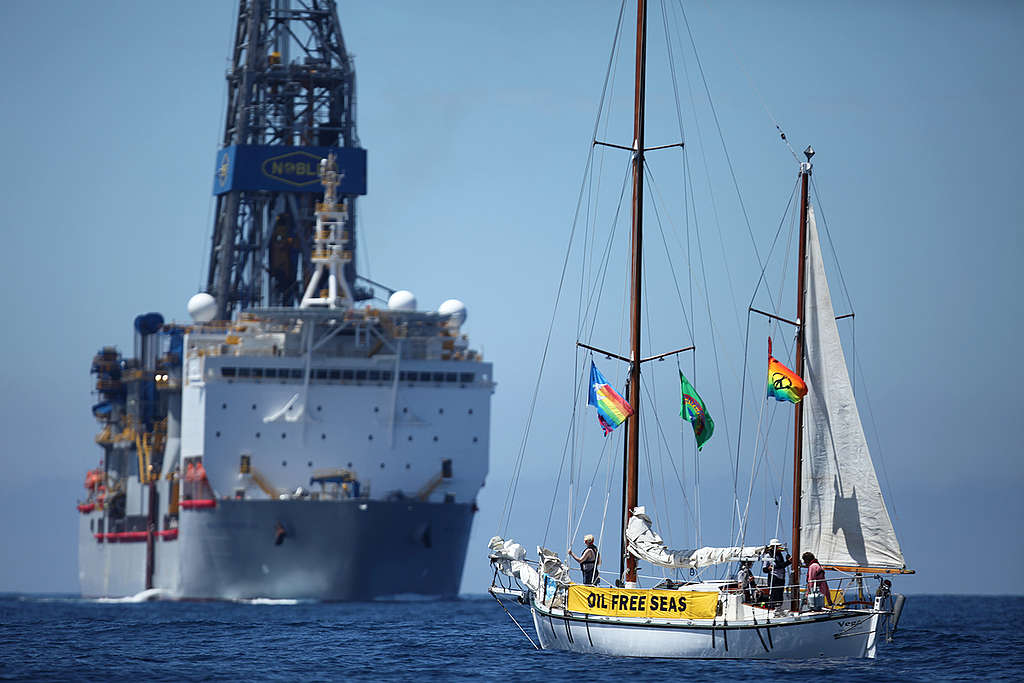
point(291, 102)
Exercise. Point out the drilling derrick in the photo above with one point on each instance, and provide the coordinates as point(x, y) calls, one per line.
point(291, 103)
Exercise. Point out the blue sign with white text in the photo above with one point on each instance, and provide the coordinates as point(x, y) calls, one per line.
point(286, 169)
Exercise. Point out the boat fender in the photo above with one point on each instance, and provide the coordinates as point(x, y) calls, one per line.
point(897, 610)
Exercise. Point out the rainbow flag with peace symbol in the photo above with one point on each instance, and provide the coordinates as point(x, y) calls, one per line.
point(694, 411)
point(783, 383)
point(612, 409)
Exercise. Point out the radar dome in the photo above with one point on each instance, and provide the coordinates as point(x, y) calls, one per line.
point(202, 307)
point(454, 308)
point(402, 300)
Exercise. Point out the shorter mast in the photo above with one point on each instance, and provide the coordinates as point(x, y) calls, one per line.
point(805, 173)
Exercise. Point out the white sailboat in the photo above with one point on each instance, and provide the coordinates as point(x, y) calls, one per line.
point(838, 511)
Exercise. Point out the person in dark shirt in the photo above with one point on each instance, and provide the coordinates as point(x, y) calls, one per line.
point(588, 560)
point(774, 562)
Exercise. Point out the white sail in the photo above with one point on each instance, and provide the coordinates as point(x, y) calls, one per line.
point(645, 543)
point(843, 519)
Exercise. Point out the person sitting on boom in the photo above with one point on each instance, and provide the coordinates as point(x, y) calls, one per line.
point(588, 560)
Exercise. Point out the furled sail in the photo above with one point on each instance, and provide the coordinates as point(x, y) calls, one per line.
point(843, 519)
point(646, 544)
point(509, 558)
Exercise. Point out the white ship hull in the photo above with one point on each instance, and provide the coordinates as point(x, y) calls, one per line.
point(823, 634)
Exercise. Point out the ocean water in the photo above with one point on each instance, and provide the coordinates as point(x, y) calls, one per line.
point(66, 638)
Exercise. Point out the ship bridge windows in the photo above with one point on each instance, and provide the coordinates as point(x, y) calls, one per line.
point(343, 375)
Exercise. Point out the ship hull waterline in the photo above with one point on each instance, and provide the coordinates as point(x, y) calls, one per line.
point(349, 550)
point(852, 634)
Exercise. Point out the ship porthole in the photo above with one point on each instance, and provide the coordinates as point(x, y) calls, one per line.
point(257, 435)
point(283, 435)
point(254, 406)
point(323, 436)
point(218, 435)
point(475, 439)
point(435, 438)
point(284, 463)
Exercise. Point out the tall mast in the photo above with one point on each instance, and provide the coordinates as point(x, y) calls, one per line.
point(633, 433)
point(798, 429)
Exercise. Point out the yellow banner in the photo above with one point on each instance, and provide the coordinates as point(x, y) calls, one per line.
point(640, 602)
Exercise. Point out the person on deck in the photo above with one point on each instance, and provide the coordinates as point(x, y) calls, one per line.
point(816, 577)
point(588, 560)
point(745, 578)
point(774, 563)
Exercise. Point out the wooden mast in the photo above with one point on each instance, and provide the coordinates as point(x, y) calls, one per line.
point(633, 431)
point(805, 173)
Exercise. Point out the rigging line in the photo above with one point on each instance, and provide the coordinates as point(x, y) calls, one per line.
point(742, 535)
point(576, 400)
point(612, 461)
point(672, 71)
point(753, 86)
point(761, 279)
point(597, 292)
point(597, 469)
point(782, 277)
point(668, 252)
point(558, 481)
point(828, 234)
point(711, 192)
point(682, 488)
point(746, 346)
point(718, 373)
point(721, 137)
point(651, 388)
point(517, 467)
point(790, 415)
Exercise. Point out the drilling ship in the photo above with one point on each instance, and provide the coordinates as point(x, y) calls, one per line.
point(309, 434)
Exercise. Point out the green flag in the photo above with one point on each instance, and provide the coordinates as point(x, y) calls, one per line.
point(692, 410)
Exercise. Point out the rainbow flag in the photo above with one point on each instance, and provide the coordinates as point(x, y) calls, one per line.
point(783, 383)
point(693, 411)
point(612, 409)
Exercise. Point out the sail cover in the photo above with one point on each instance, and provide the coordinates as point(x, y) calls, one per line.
point(843, 519)
point(645, 543)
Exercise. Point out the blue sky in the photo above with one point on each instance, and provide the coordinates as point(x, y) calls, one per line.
point(477, 118)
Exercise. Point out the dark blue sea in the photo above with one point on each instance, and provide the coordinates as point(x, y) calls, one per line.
point(65, 639)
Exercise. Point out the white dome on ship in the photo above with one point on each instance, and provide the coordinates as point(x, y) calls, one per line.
point(454, 308)
point(402, 300)
point(202, 307)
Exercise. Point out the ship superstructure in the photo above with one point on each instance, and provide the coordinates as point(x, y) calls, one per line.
point(318, 444)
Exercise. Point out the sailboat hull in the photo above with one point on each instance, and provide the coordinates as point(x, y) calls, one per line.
point(852, 634)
